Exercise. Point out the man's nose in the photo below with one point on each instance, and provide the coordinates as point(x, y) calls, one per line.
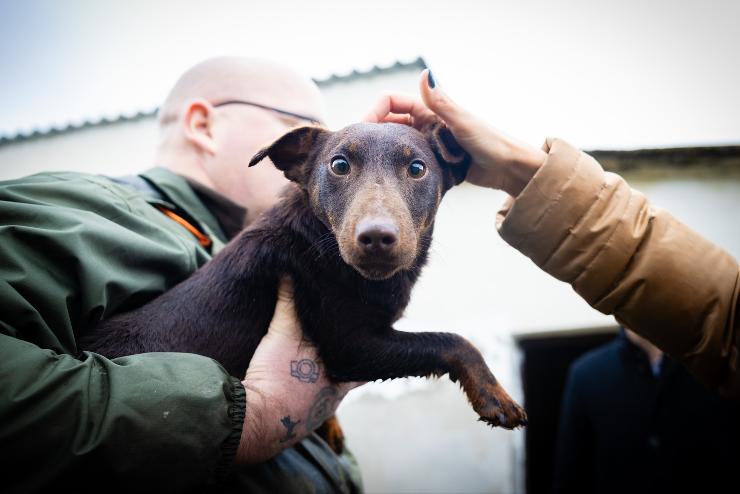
point(376, 235)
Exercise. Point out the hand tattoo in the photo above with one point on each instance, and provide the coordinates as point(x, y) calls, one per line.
point(305, 370)
point(289, 425)
point(322, 408)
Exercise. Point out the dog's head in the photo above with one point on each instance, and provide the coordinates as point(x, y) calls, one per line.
point(375, 186)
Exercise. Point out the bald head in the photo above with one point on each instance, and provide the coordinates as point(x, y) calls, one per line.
point(213, 143)
point(233, 78)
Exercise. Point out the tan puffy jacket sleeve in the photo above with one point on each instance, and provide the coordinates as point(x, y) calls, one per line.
point(587, 227)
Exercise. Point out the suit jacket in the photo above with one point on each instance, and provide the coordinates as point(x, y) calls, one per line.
point(623, 429)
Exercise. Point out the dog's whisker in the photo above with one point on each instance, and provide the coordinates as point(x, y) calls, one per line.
point(322, 245)
point(325, 251)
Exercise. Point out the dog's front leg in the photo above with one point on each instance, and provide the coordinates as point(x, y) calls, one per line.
point(402, 354)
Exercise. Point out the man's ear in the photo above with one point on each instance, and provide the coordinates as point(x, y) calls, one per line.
point(448, 152)
point(197, 125)
point(291, 151)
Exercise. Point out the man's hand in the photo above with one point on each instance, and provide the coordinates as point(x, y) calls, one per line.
point(288, 394)
point(499, 161)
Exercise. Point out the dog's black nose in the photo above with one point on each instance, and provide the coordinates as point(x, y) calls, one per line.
point(377, 235)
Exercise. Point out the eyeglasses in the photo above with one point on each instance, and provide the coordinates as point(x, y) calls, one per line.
point(270, 108)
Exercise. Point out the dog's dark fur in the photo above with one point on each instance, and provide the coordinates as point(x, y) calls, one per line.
point(347, 294)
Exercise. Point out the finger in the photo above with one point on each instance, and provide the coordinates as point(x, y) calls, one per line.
point(438, 101)
point(397, 103)
point(344, 388)
point(285, 289)
point(389, 103)
point(399, 119)
point(284, 319)
point(417, 122)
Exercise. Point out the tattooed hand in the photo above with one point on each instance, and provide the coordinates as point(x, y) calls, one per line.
point(288, 394)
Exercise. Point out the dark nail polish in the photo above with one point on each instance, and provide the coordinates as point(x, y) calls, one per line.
point(430, 80)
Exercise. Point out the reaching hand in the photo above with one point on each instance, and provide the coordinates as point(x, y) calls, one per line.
point(499, 161)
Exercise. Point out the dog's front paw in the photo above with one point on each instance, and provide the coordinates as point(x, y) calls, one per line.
point(498, 409)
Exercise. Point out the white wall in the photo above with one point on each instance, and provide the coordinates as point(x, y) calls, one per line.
point(116, 149)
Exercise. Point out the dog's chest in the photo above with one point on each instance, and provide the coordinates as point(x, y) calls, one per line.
point(339, 309)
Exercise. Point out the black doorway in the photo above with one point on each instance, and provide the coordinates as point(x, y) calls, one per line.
point(546, 359)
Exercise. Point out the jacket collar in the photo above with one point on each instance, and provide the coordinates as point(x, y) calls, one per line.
point(176, 189)
point(634, 355)
point(231, 217)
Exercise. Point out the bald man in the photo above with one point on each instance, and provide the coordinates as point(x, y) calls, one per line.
point(79, 248)
point(209, 129)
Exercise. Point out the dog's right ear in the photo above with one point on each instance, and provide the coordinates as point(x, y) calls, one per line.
point(290, 152)
point(448, 151)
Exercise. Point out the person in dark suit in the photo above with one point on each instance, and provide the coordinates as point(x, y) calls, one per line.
point(634, 420)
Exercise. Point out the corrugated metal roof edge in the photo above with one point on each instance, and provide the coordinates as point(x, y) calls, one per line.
point(716, 158)
point(419, 63)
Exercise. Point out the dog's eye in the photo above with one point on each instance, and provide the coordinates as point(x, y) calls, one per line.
point(417, 169)
point(340, 166)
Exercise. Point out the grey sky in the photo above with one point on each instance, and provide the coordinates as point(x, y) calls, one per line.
point(598, 73)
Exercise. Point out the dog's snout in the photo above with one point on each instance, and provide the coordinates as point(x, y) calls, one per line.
point(377, 235)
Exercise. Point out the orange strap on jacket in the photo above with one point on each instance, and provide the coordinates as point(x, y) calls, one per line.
point(203, 239)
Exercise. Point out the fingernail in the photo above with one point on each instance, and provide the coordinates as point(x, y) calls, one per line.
point(430, 80)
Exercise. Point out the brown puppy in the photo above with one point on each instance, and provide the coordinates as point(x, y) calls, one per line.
point(353, 233)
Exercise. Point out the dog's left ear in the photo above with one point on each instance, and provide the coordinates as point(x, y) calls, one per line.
point(448, 151)
point(290, 152)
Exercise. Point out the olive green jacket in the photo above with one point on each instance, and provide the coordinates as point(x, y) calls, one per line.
point(75, 249)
